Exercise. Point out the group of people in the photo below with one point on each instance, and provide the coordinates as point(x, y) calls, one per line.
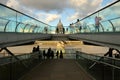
point(59, 55)
point(50, 54)
point(36, 49)
point(60, 31)
point(79, 28)
point(76, 27)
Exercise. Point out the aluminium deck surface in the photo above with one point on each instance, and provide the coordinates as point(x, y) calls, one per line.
point(57, 69)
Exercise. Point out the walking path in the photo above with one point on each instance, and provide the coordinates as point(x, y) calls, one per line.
point(61, 69)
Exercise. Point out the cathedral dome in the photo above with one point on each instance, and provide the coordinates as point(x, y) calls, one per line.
point(59, 25)
point(60, 29)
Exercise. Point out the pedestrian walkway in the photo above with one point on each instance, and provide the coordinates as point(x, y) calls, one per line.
point(61, 69)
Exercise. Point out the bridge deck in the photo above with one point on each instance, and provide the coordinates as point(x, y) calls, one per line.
point(57, 70)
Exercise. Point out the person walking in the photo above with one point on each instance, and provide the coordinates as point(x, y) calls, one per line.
point(97, 23)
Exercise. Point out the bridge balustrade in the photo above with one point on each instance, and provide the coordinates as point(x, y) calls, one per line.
point(12, 69)
point(12, 20)
point(100, 67)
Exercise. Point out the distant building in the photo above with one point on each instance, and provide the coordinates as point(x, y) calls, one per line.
point(60, 28)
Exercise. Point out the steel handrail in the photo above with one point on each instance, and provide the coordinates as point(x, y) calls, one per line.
point(100, 61)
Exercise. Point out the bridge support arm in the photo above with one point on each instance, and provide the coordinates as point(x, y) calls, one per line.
point(10, 53)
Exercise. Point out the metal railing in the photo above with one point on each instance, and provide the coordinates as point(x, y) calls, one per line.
point(12, 69)
point(100, 67)
point(109, 21)
point(12, 20)
point(20, 22)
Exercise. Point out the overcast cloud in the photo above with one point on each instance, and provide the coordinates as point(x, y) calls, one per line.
point(46, 5)
point(84, 7)
point(42, 9)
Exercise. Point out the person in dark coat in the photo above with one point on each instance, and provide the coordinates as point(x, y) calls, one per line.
point(34, 50)
point(52, 54)
point(49, 53)
point(61, 55)
point(44, 54)
point(38, 49)
point(109, 53)
point(57, 54)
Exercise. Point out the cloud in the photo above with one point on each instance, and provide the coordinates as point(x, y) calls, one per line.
point(13, 3)
point(33, 8)
point(80, 6)
point(47, 17)
point(42, 16)
point(73, 17)
point(83, 8)
point(78, 3)
point(52, 17)
point(46, 5)
point(60, 6)
point(3, 1)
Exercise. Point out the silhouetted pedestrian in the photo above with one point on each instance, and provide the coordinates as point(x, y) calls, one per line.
point(61, 55)
point(80, 28)
point(66, 29)
point(46, 30)
point(44, 54)
point(49, 53)
point(38, 49)
point(57, 54)
point(63, 30)
point(34, 50)
point(109, 52)
point(57, 31)
point(52, 54)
